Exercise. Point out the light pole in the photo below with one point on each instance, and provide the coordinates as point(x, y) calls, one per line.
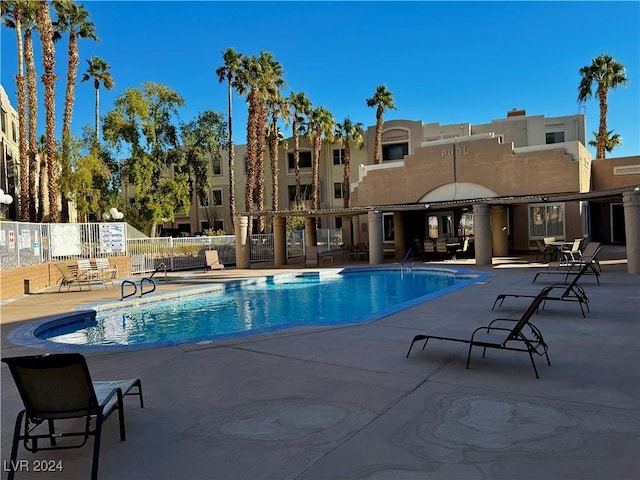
point(5, 199)
point(113, 214)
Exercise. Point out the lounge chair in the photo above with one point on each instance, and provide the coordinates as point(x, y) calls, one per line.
point(573, 254)
point(571, 292)
point(70, 278)
point(212, 260)
point(311, 258)
point(522, 337)
point(589, 257)
point(59, 387)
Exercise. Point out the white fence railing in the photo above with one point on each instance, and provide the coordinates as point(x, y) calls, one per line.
point(23, 244)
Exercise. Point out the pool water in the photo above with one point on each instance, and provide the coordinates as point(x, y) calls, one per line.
point(274, 303)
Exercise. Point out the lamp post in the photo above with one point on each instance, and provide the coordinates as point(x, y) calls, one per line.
point(113, 214)
point(5, 199)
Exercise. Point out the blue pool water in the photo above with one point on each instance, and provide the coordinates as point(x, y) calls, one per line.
point(269, 304)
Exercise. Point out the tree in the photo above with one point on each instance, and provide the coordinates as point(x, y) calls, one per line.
point(278, 107)
point(12, 13)
point(608, 75)
point(348, 133)
point(202, 139)
point(72, 19)
point(145, 121)
point(45, 27)
point(98, 70)
point(320, 126)
point(301, 106)
point(29, 25)
point(229, 71)
point(382, 99)
point(611, 141)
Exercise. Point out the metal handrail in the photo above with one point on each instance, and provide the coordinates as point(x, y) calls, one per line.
point(406, 257)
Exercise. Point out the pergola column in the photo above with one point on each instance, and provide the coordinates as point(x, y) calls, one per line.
point(631, 203)
point(279, 241)
point(310, 234)
point(482, 234)
point(376, 252)
point(346, 231)
point(499, 236)
point(355, 222)
point(243, 245)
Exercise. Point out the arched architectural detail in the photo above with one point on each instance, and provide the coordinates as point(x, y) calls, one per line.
point(457, 191)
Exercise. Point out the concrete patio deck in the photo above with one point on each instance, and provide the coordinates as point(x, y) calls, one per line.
point(345, 403)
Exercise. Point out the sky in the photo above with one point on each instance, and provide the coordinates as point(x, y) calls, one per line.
point(445, 62)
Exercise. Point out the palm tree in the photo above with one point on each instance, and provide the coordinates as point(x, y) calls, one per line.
point(608, 75)
point(321, 126)
point(278, 107)
point(72, 19)
point(347, 133)
point(45, 27)
point(29, 25)
point(12, 18)
point(98, 70)
point(612, 141)
point(228, 72)
point(382, 99)
point(301, 108)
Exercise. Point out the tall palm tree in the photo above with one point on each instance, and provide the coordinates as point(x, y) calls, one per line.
point(72, 19)
point(321, 126)
point(12, 18)
point(35, 171)
point(383, 100)
point(301, 106)
point(348, 133)
point(98, 70)
point(608, 75)
point(45, 27)
point(278, 108)
point(229, 71)
point(612, 141)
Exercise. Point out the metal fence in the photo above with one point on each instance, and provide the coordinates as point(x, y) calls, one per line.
point(23, 244)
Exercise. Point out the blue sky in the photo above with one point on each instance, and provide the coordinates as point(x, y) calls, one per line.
point(446, 62)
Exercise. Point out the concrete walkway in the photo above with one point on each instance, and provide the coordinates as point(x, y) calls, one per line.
point(345, 403)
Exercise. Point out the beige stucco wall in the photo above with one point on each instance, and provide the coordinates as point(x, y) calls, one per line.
point(615, 173)
point(484, 162)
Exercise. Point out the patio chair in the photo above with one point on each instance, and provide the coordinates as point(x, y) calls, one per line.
point(56, 388)
point(572, 254)
point(441, 248)
point(86, 270)
point(543, 251)
point(212, 260)
point(104, 268)
point(571, 292)
point(522, 337)
point(589, 258)
point(70, 278)
point(462, 252)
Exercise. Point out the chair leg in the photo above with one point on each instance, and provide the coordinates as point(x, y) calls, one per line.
point(121, 415)
point(96, 447)
point(52, 431)
point(534, 365)
point(469, 354)
point(14, 446)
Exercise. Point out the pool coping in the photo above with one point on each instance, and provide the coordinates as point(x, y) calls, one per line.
point(26, 335)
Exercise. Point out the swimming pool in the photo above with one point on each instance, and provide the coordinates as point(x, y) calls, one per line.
point(336, 297)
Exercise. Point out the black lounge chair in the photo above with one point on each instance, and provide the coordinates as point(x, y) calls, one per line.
point(572, 267)
point(571, 292)
point(58, 387)
point(502, 338)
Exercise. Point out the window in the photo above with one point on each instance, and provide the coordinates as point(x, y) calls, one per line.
point(216, 165)
point(216, 195)
point(546, 220)
point(554, 137)
point(203, 202)
point(218, 225)
point(338, 156)
point(395, 151)
point(14, 132)
point(204, 226)
point(337, 190)
point(305, 192)
point(305, 160)
point(3, 120)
